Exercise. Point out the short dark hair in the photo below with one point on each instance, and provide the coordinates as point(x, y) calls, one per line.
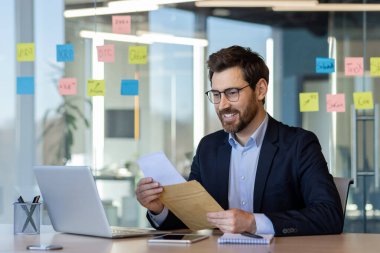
point(251, 63)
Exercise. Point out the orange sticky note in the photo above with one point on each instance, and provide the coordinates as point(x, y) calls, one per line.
point(335, 102)
point(375, 66)
point(138, 54)
point(309, 102)
point(106, 53)
point(67, 86)
point(363, 100)
point(95, 88)
point(353, 66)
point(25, 51)
point(121, 24)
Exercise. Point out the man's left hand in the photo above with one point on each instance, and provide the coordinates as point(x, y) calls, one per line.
point(233, 221)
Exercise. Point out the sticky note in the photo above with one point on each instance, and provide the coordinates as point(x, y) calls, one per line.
point(375, 66)
point(353, 66)
point(129, 87)
point(95, 88)
point(121, 24)
point(363, 100)
point(309, 102)
point(25, 85)
point(25, 51)
point(67, 86)
point(138, 54)
point(65, 53)
point(335, 102)
point(106, 53)
point(324, 65)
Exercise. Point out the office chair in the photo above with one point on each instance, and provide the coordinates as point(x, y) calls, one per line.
point(343, 186)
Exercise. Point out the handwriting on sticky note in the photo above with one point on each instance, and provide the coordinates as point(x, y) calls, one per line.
point(324, 65)
point(138, 54)
point(375, 66)
point(25, 85)
point(353, 66)
point(363, 100)
point(95, 88)
point(335, 103)
point(121, 24)
point(67, 86)
point(65, 53)
point(309, 101)
point(106, 53)
point(25, 51)
point(129, 87)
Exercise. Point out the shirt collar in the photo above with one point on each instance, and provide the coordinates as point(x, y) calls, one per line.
point(255, 139)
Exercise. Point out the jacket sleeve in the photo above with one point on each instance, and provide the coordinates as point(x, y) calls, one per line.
point(320, 210)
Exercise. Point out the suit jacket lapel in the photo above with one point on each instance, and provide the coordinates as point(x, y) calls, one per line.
point(267, 153)
point(223, 167)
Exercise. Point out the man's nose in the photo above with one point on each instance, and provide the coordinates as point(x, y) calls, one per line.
point(224, 102)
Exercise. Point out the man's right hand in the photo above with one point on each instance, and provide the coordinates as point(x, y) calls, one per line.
point(148, 192)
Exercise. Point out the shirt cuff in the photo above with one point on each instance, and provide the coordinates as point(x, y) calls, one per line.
point(263, 224)
point(158, 219)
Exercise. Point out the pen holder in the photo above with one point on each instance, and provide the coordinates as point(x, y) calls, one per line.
point(26, 218)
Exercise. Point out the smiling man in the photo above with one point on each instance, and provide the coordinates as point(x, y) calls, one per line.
point(269, 177)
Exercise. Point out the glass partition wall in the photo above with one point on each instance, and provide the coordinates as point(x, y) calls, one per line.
point(166, 110)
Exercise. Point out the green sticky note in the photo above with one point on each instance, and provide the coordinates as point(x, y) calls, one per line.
point(95, 88)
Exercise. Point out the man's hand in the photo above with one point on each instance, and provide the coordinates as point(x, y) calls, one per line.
point(233, 221)
point(147, 193)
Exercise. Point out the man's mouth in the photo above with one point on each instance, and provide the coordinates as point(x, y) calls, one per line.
point(229, 117)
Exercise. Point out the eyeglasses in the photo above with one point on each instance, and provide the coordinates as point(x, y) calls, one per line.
point(232, 94)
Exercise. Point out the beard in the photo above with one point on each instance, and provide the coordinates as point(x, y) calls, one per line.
point(244, 117)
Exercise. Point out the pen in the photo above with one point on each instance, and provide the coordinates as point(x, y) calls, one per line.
point(252, 235)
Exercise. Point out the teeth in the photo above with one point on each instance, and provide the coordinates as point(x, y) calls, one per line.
point(229, 115)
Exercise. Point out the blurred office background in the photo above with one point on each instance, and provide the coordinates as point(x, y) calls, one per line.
point(171, 112)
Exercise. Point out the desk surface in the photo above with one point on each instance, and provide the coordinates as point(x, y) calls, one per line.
point(347, 243)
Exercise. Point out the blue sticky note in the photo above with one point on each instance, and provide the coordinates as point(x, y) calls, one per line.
point(65, 53)
point(129, 87)
point(25, 85)
point(324, 65)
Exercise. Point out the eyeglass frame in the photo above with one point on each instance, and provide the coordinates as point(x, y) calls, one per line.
point(225, 94)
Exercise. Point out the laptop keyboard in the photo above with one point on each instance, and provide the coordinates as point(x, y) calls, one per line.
point(128, 231)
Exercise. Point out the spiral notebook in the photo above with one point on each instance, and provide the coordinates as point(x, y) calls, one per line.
point(241, 239)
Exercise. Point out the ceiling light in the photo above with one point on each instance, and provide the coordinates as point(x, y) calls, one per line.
point(331, 8)
point(113, 8)
point(255, 3)
point(145, 38)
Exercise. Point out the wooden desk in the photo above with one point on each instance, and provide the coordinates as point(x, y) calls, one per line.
point(344, 243)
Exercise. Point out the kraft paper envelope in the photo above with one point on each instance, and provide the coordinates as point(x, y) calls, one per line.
point(190, 202)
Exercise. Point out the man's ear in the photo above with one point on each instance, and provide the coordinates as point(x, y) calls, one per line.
point(261, 89)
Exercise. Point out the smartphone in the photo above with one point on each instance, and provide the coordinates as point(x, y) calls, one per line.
point(178, 238)
point(44, 247)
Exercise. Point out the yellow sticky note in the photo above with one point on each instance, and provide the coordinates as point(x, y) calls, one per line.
point(25, 51)
point(363, 100)
point(375, 66)
point(309, 102)
point(95, 88)
point(138, 54)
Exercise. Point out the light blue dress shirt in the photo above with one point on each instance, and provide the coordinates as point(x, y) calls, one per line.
point(243, 167)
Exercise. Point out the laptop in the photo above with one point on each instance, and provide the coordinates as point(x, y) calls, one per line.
point(74, 205)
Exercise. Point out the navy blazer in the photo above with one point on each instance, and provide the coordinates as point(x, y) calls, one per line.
point(293, 187)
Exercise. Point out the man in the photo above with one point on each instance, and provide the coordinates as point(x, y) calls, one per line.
point(267, 176)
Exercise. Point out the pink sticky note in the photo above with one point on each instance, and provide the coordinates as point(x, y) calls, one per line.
point(106, 53)
point(335, 102)
point(121, 24)
point(67, 86)
point(353, 66)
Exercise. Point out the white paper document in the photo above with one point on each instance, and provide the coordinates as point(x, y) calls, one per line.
point(158, 167)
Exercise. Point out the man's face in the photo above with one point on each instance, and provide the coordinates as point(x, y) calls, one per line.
point(234, 116)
